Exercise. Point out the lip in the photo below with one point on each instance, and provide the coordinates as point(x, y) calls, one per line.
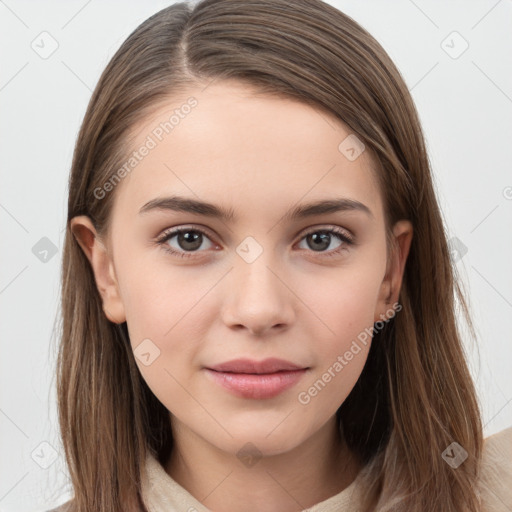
point(270, 365)
point(256, 379)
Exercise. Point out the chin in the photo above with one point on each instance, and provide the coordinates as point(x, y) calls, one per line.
point(258, 443)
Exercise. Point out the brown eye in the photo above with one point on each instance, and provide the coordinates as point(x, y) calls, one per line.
point(188, 240)
point(320, 240)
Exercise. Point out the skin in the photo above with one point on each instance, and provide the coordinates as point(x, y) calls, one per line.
point(259, 155)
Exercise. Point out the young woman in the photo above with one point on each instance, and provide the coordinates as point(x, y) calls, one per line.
point(259, 306)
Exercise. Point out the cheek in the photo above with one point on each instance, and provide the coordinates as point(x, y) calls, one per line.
point(166, 319)
point(160, 298)
point(342, 334)
point(353, 311)
point(161, 312)
point(343, 303)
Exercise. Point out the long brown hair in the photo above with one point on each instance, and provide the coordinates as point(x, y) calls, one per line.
point(415, 395)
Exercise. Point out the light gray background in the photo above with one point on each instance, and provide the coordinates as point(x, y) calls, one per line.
point(465, 105)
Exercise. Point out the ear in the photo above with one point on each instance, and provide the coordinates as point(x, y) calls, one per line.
point(102, 266)
point(392, 282)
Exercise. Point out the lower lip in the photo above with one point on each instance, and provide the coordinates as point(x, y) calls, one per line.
point(257, 386)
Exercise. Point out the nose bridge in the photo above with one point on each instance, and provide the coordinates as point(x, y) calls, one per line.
point(253, 275)
point(260, 299)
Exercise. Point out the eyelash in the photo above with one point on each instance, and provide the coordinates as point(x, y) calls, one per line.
point(342, 235)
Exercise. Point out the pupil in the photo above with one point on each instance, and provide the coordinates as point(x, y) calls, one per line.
point(188, 241)
point(324, 242)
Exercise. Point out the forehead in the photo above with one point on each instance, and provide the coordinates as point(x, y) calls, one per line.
point(253, 153)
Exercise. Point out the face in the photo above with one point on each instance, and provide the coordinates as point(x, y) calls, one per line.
point(259, 284)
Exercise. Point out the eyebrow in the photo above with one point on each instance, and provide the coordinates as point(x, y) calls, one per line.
point(189, 205)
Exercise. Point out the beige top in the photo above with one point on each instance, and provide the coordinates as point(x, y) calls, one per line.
point(163, 494)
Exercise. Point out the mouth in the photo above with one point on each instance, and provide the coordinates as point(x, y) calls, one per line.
point(253, 367)
point(248, 378)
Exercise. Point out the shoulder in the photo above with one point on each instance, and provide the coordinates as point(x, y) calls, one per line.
point(496, 472)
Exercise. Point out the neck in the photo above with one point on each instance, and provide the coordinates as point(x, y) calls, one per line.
point(292, 481)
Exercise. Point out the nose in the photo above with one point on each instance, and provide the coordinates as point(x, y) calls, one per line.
point(259, 298)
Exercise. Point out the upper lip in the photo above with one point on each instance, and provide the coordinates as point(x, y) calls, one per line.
point(270, 365)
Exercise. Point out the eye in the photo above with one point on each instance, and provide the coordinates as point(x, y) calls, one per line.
point(320, 239)
point(190, 239)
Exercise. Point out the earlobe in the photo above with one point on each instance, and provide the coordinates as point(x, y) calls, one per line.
point(102, 266)
point(390, 288)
